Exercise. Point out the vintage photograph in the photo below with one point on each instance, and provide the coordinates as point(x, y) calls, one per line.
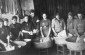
point(42, 27)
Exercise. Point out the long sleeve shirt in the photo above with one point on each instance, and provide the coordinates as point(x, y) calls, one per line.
point(79, 26)
point(58, 25)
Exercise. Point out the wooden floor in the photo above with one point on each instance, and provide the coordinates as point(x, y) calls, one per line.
point(32, 51)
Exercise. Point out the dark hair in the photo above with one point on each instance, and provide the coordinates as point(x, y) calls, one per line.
point(79, 13)
point(56, 14)
point(70, 13)
point(14, 17)
point(32, 11)
point(6, 19)
point(43, 13)
point(26, 16)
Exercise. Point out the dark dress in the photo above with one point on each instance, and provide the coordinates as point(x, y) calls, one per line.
point(28, 27)
point(15, 29)
point(45, 24)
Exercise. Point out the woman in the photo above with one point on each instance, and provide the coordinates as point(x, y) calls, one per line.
point(58, 25)
point(15, 28)
point(45, 26)
point(27, 28)
point(44, 40)
point(70, 24)
point(4, 35)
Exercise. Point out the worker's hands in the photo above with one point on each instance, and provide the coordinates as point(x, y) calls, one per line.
point(21, 33)
point(35, 31)
point(55, 34)
point(8, 37)
point(5, 44)
point(31, 33)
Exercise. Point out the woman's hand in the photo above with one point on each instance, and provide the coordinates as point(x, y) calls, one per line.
point(55, 34)
point(21, 33)
point(42, 36)
point(5, 44)
point(35, 31)
point(31, 33)
point(2, 42)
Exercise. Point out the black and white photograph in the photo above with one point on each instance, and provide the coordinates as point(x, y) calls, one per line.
point(42, 27)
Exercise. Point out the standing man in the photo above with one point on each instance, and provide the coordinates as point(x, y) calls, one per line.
point(58, 25)
point(79, 26)
point(34, 19)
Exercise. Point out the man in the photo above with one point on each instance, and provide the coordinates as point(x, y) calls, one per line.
point(57, 25)
point(79, 26)
point(34, 19)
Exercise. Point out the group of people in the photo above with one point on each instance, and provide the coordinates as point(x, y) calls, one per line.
point(32, 27)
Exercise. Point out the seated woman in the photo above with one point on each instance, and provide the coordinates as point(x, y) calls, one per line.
point(4, 35)
point(79, 26)
point(27, 28)
point(6, 22)
point(58, 25)
point(45, 26)
point(70, 24)
point(15, 28)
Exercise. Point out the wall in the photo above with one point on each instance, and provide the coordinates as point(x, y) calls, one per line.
point(27, 5)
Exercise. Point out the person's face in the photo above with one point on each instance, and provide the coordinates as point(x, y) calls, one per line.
point(32, 14)
point(1, 24)
point(44, 16)
point(5, 23)
point(14, 21)
point(26, 19)
point(57, 16)
point(80, 16)
point(69, 16)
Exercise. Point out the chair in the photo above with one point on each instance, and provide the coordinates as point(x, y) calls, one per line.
point(61, 45)
point(44, 51)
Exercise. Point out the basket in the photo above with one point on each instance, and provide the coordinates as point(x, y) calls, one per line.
point(43, 45)
point(60, 40)
point(76, 46)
